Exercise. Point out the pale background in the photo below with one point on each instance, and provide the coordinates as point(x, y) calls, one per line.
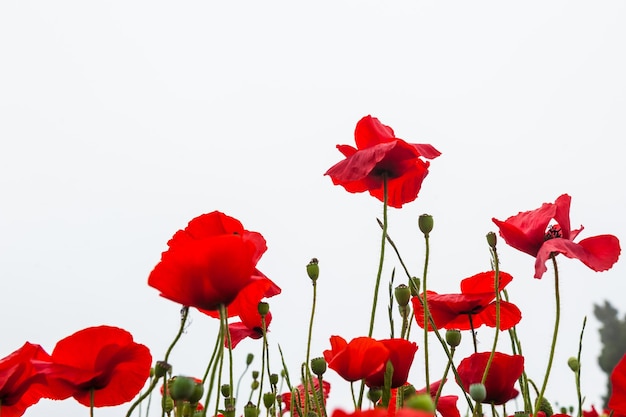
point(121, 121)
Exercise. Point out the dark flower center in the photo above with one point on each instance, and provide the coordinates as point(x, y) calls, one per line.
point(553, 232)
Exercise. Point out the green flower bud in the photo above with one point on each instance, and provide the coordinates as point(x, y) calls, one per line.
point(263, 308)
point(255, 374)
point(168, 404)
point(318, 366)
point(198, 392)
point(225, 390)
point(421, 402)
point(274, 379)
point(313, 269)
point(414, 285)
point(407, 391)
point(161, 368)
point(250, 410)
point(268, 399)
point(478, 392)
point(425, 223)
point(229, 402)
point(573, 364)
point(403, 295)
point(522, 414)
point(453, 337)
point(492, 239)
point(374, 394)
point(546, 407)
point(230, 411)
point(249, 359)
point(254, 385)
point(182, 388)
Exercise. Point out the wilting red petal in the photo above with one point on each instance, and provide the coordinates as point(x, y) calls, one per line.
point(358, 359)
point(103, 358)
point(501, 377)
point(617, 400)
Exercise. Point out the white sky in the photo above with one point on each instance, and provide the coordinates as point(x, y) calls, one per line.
point(121, 121)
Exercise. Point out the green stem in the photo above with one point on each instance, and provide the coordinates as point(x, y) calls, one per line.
point(426, 312)
point(497, 290)
point(308, 352)
point(91, 394)
point(580, 348)
point(557, 318)
point(143, 396)
point(378, 277)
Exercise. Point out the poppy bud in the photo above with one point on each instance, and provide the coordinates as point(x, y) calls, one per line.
point(492, 240)
point(403, 295)
point(274, 379)
point(414, 285)
point(229, 411)
point(249, 359)
point(546, 407)
point(407, 390)
point(421, 402)
point(229, 402)
point(263, 308)
point(168, 404)
point(250, 410)
point(313, 269)
point(522, 414)
point(181, 388)
point(254, 385)
point(268, 399)
point(318, 366)
point(453, 337)
point(478, 392)
point(255, 374)
point(573, 364)
point(425, 223)
point(197, 394)
point(225, 390)
point(374, 394)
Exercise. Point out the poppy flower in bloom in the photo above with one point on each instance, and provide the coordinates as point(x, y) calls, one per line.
point(21, 385)
point(446, 406)
point(287, 397)
point(530, 232)
point(473, 307)
point(617, 400)
point(209, 262)
point(101, 359)
point(364, 357)
point(380, 154)
point(501, 377)
point(381, 412)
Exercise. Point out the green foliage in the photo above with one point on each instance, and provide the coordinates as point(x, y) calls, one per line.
point(613, 338)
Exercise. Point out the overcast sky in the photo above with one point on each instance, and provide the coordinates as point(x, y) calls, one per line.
point(121, 121)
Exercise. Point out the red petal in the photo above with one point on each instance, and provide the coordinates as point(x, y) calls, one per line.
point(617, 401)
point(370, 131)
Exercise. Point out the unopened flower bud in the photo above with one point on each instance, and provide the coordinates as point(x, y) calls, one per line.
point(168, 404)
point(268, 399)
point(492, 239)
point(374, 394)
point(254, 385)
point(181, 388)
point(230, 411)
point(274, 379)
point(264, 308)
point(250, 410)
point(313, 269)
point(425, 223)
point(407, 390)
point(225, 390)
point(403, 295)
point(478, 392)
point(546, 407)
point(249, 359)
point(255, 374)
point(414, 285)
point(573, 364)
point(453, 337)
point(318, 366)
point(198, 392)
point(421, 402)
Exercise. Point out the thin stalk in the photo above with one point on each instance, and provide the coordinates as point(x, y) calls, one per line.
point(580, 348)
point(308, 351)
point(426, 313)
point(497, 289)
point(557, 318)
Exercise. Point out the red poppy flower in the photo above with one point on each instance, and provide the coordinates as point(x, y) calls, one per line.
point(286, 397)
point(474, 307)
point(502, 376)
point(104, 359)
point(617, 400)
point(381, 412)
point(356, 360)
point(446, 405)
point(529, 233)
point(401, 354)
point(380, 154)
point(209, 262)
point(21, 385)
